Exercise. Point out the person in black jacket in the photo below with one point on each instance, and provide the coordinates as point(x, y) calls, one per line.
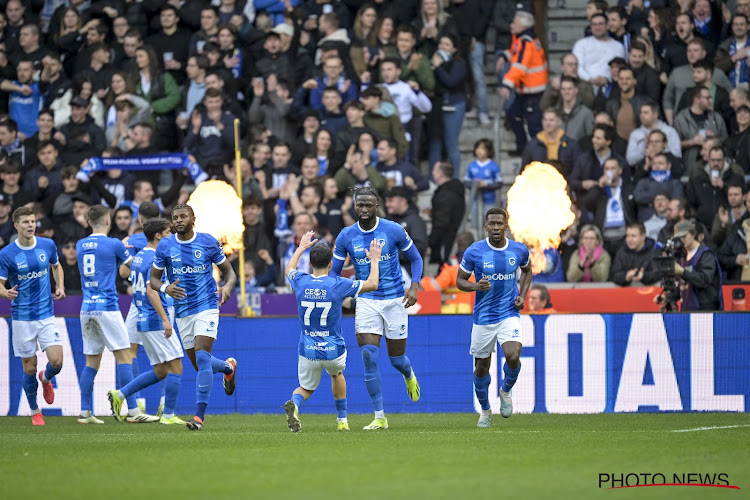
point(634, 261)
point(700, 272)
point(402, 211)
point(448, 207)
point(733, 254)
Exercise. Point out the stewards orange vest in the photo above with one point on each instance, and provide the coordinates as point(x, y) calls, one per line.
point(528, 72)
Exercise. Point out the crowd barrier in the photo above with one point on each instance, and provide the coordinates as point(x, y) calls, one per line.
point(571, 364)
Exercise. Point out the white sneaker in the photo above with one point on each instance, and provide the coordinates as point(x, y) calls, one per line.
point(506, 404)
point(141, 417)
point(91, 419)
point(485, 419)
point(484, 119)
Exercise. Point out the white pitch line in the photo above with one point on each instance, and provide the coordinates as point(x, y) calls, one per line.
point(715, 427)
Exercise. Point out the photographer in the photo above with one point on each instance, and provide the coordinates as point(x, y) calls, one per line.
point(701, 290)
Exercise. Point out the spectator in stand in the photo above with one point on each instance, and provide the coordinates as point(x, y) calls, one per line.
point(610, 89)
point(255, 234)
point(625, 105)
point(28, 47)
point(348, 134)
point(658, 181)
point(10, 174)
point(275, 60)
point(161, 91)
point(702, 76)
point(738, 144)
point(707, 189)
point(634, 262)
point(57, 82)
point(272, 108)
point(538, 300)
point(382, 117)
point(334, 212)
point(611, 202)
point(211, 135)
point(331, 116)
point(322, 149)
point(59, 207)
point(617, 25)
point(82, 86)
point(171, 43)
point(700, 272)
point(596, 51)
point(649, 121)
point(731, 211)
point(7, 229)
point(432, 23)
point(697, 123)
point(658, 220)
point(569, 67)
point(588, 167)
point(81, 123)
point(25, 98)
point(448, 207)
point(681, 79)
point(208, 32)
point(78, 226)
point(333, 75)
point(677, 210)
point(401, 211)
point(122, 220)
point(673, 45)
point(44, 178)
point(577, 119)
point(11, 144)
point(485, 173)
point(551, 145)
point(399, 173)
point(300, 146)
point(46, 131)
point(708, 20)
point(527, 76)
point(734, 253)
point(656, 142)
point(234, 58)
point(647, 81)
point(733, 52)
point(356, 173)
point(591, 263)
point(69, 263)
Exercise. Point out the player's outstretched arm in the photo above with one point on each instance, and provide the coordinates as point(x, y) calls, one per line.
point(525, 283)
point(374, 278)
point(59, 275)
point(306, 242)
point(155, 299)
point(230, 278)
point(8, 293)
point(463, 283)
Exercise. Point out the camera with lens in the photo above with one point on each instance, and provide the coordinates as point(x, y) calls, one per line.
point(673, 251)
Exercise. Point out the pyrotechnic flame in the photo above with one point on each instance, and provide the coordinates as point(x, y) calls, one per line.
point(218, 212)
point(538, 209)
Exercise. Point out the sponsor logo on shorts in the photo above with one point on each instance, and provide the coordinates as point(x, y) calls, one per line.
point(474, 351)
point(516, 333)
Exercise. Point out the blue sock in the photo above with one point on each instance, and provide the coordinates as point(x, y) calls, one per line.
point(510, 376)
point(340, 408)
point(220, 366)
point(124, 377)
point(51, 371)
point(372, 375)
point(87, 387)
point(136, 373)
point(30, 386)
point(171, 390)
point(140, 382)
point(298, 400)
point(481, 385)
point(203, 381)
point(402, 364)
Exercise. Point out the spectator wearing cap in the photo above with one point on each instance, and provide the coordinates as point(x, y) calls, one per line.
point(658, 219)
point(696, 124)
point(130, 110)
point(700, 272)
point(399, 173)
point(730, 212)
point(44, 178)
point(610, 89)
point(80, 125)
point(81, 86)
point(399, 209)
point(383, 118)
point(11, 144)
point(659, 180)
point(448, 207)
point(77, 227)
point(10, 174)
point(738, 144)
point(172, 43)
point(707, 188)
point(7, 229)
point(69, 263)
point(648, 116)
point(596, 51)
point(274, 60)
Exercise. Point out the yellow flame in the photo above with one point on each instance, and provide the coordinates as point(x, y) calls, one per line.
point(538, 209)
point(218, 212)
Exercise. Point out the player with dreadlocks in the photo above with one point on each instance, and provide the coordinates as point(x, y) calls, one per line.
point(383, 311)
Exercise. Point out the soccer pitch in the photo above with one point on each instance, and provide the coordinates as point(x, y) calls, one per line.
point(420, 456)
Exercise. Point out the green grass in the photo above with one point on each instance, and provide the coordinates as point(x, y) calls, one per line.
point(421, 456)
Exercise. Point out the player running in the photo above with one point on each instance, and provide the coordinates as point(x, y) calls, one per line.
point(26, 263)
point(99, 258)
point(382, 312)
point(188, 258)
point(154, 325)
point(494, 262)
point(321, 342)
point(135, 243)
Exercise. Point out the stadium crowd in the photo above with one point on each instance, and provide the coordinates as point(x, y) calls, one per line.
point(649, 121)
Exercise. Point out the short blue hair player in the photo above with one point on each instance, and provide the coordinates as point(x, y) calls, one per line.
point(494, 262)
point(382, 312)
point(321, 341)
point(188, 258)
point(25, 264)
point(100, 258)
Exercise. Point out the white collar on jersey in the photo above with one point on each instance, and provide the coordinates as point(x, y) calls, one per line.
point(185, 242)
point(98, 234)
point(30, 247)
point(505, 247)
point(377, 222)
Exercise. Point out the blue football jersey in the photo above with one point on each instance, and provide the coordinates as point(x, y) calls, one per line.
point(99, 258)
point(191, 262)
point(499, 266)
point(488, 172)
point(28, 267)
point(140, 275)
point(319, 305)
point(138, 241)
point(354, 241)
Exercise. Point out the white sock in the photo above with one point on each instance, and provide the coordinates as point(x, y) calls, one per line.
point(161, 401)
point(487, 412)
point(44, 379)
point(167, 416)
point(339, 420)
point(380, 414)
point(121, 395)
point(85, 414)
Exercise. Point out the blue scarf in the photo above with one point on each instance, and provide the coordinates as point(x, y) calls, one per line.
point(661, 176)
point(161, 161)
